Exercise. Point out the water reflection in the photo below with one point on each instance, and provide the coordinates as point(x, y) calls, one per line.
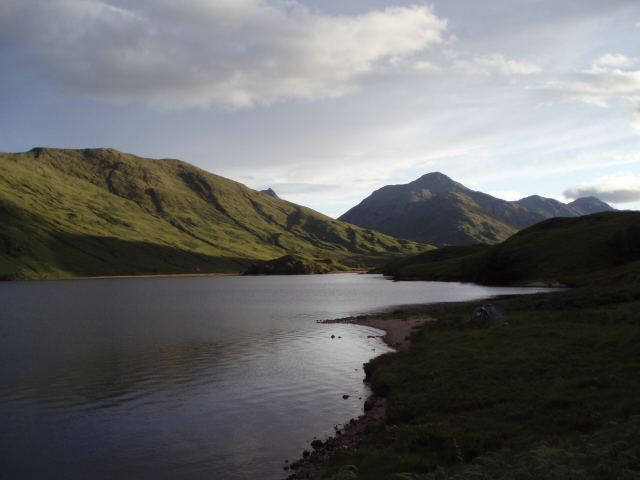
point(183, 378)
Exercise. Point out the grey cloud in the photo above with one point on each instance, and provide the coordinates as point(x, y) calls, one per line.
point(609, 189)
point(237, 53)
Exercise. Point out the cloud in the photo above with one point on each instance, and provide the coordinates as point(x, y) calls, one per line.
point(623, 188)
point(602, 84)
point(510, 196)
point(610, 80)
point(635, 123)
point(496, 62)
point(231, 52)
point(616, 60)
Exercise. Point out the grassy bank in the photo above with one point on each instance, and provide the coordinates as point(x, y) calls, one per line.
point(594, 250)
point(557, 367)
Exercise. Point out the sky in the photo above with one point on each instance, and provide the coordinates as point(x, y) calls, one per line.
point(326, 101)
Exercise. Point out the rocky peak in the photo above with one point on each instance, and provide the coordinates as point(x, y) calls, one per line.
point(270, 192)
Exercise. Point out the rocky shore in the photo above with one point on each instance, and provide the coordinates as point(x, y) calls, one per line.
point(351, 435)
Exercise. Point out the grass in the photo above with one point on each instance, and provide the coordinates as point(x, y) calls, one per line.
point(67, 213)
point(296, 265)
point(598, 249)
point(557, 367)
point(612, 453)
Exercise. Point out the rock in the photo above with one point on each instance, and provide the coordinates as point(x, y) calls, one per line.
point(346, 397)
point(368, 405)
point(317, 444)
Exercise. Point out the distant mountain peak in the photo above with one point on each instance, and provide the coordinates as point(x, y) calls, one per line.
point(437, 183)
point(270, 192)
point(591, 204)
point(437, 210)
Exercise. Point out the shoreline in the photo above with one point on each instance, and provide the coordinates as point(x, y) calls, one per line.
point(350, 435)
point(170, 275)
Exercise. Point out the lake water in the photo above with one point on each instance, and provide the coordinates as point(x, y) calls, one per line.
point(186, 378)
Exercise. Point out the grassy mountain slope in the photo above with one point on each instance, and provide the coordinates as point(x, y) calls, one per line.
point(66, 213)
point(602, 248)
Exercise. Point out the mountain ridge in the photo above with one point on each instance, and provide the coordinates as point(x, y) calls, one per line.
point(408, 211)
point(101, 212)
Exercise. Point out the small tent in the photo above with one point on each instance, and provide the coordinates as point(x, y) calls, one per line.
point(486, 312)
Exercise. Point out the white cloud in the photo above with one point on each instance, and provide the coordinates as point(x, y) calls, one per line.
point(609, 81)
point(616, 60)
point(602, 84)
point(635, 123)
point(621, 188)
point(233, 52)
point(496, 62)
point(507, 195)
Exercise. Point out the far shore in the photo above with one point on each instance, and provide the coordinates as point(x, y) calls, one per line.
point(180, 275)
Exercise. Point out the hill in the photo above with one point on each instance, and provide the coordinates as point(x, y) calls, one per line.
point(548, 391)
point(597, 249)
point(435, 209)
point(549, 207)
point(94, 212)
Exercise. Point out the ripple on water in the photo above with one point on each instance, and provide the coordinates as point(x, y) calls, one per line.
point(184, 378)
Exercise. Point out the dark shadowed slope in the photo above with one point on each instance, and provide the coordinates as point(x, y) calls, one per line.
point(588, 205)
point(549, 207)
point(597, 249)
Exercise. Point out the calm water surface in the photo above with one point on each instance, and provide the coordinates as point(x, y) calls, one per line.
point(185, 378)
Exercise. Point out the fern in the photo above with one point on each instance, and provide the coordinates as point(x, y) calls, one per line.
point(346, 472)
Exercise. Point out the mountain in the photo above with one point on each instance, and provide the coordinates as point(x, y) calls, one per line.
point(589, 205)
point(550, 208)
point(93, 212)
point(597, 249)
point(436, 210)
point(270, 192)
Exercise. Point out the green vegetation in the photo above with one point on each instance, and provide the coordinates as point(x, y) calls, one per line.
point(296, 265)
point(598, 249)
point(69, 213)
point(613, 453)
point(470, 402)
